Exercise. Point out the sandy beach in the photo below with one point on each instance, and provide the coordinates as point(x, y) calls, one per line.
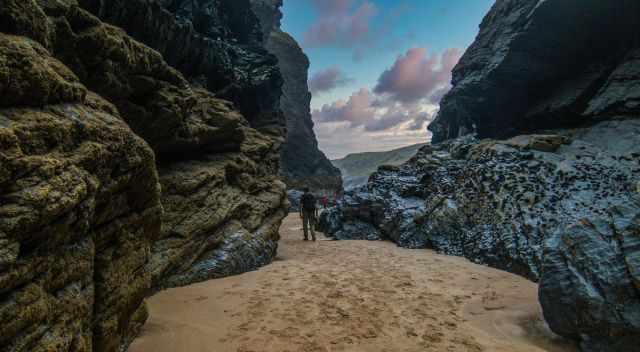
point(351, 296)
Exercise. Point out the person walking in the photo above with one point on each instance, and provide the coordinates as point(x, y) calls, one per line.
point(308, 213)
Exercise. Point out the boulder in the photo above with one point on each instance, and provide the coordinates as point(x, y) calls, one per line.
point(590, 289)
point(543, 143)
point(329, 221)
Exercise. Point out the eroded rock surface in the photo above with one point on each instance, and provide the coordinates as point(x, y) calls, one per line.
point(93, 125)
point(560, 208)
point(79, 210)
point(591, 283)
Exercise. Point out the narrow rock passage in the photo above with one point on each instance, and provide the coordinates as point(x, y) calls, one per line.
point(351, 296)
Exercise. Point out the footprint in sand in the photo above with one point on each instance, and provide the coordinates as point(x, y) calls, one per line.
point(348, 296)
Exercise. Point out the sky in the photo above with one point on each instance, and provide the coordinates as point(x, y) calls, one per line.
point(379, 67)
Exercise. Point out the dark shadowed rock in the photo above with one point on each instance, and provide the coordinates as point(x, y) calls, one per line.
point(543, 64)
point(303, 164)
point(85, 233)
point(79, 211)
point(590, 289)
point(216, 44)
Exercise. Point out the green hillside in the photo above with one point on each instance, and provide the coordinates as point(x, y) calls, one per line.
point(356, 168)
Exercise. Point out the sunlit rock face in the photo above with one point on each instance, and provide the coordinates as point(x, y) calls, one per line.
point(121, 174)
point(303, 164)
point(544, 64)
point(553, 196)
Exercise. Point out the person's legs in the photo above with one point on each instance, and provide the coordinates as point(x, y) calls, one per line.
point(305, 220)
point(312, 225)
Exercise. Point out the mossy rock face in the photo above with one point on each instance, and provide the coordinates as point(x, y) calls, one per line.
point(29, 76)
point(84, 239)
point(26, 18)
point(87, 118)
point(80, 207)
point(153, 98)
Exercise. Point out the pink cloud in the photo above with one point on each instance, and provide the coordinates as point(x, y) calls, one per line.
point(416, 76)
point(356, 110)
point(333, 6)
point(364, 109)
point(340, 23)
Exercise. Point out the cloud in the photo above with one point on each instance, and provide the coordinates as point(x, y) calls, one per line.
point(357, 110)
point(337, 141)
point(421, 121)
point(355, 25)
point(369, 112)
point(416, 76)
point(333, 6)
point(340, 23)
point(397, 111)
point(388, 121)
point(327, 80)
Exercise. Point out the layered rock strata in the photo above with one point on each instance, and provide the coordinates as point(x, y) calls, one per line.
point(119, 176)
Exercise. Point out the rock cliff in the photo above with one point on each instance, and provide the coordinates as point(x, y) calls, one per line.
point(556, 198)
point(122, 173)
point(544, 64)
point(303, 164)
point(216, 44)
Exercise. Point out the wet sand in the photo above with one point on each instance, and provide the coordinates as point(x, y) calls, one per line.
point(351, 296)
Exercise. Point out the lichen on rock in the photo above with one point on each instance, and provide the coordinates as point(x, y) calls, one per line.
point(119, 176)
point(80, 208)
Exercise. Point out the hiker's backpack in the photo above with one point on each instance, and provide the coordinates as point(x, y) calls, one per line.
point(308, 202)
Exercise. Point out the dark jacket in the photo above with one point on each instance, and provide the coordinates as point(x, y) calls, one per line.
point(308, 203)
